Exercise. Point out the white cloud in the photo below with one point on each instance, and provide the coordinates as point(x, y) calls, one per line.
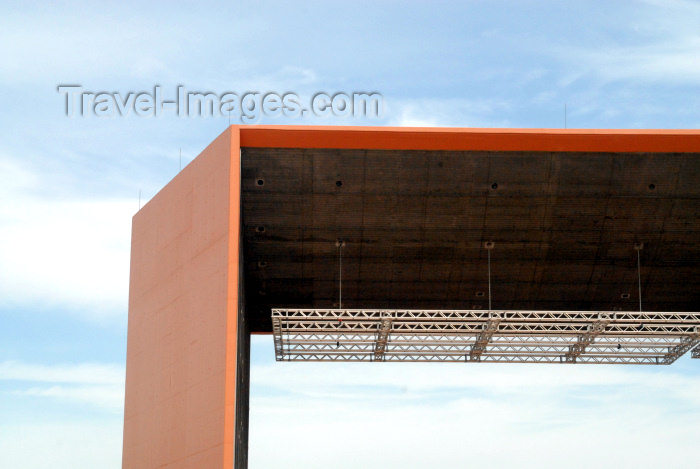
point(663, 49)
point(88, 42)
point(62, 253)
point(110, 398)
point(676, 61)
point(74, 445)
point(82, 373)
point(97, 384)
point(77, 44)
point(15, 178)
point(447, 112)
point(450, 415)
point(497, 431)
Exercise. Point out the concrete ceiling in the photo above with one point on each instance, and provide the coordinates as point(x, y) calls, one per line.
point(414, 222)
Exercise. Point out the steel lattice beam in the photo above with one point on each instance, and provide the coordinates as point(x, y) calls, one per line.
point(696, 352)
point(496, 336)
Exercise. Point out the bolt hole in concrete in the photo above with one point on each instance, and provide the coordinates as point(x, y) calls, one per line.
point(494, 186)
point(652, 187)
point(338, 183)
point(625, 296)
point(260, 182)
point(260, 229)
point(262, 264)
point(480, 293)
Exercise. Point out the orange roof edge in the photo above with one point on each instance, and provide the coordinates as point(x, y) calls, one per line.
point(464, 139)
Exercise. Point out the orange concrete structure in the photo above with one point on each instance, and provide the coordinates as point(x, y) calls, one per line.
point(183, 318)
point(188, 334)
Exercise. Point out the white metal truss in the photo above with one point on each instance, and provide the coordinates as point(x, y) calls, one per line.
point(654, 338)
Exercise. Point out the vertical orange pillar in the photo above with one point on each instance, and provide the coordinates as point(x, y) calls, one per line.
point(184, 339)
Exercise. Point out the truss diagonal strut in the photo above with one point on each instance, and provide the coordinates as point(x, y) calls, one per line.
point(584, 340)
point(382, 337)
point(483, 338)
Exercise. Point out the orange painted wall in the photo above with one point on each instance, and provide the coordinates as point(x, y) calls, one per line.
point(183, 312)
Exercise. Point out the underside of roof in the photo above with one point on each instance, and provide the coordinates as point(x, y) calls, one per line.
point(414, 224)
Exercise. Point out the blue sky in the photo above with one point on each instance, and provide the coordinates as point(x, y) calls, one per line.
point(69, 186)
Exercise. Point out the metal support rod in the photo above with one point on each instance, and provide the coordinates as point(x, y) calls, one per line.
point(638, 247)
point(639, 279)
point(489, 245)
point(340, 245)
point(489, 251)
